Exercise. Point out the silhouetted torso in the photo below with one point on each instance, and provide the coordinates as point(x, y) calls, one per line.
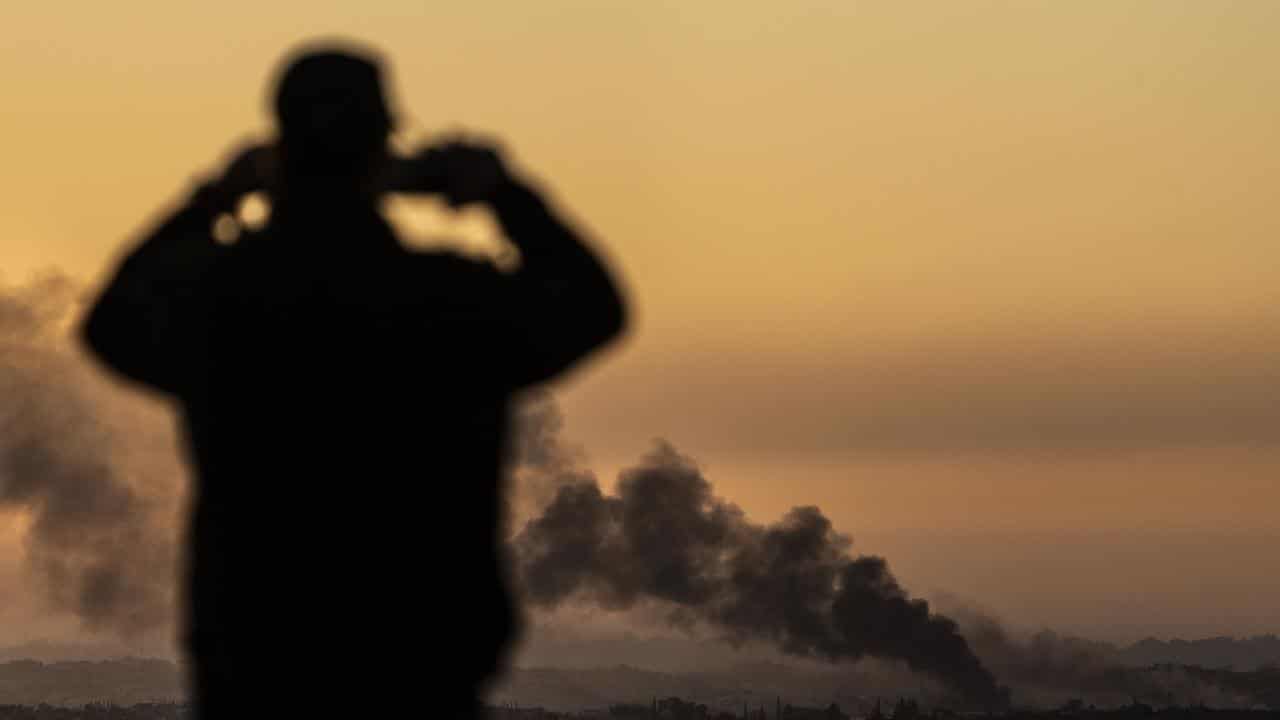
point(346, 416)
point(345, 402)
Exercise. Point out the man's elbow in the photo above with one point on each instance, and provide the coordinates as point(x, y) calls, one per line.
point(612, 320)
point(106, 337)
point(602, 325)
point(619, 316)
point(95, 333)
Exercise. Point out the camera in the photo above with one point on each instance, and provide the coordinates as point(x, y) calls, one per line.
point(423, 173)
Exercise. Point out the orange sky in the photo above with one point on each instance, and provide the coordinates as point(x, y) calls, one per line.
point(974, 267)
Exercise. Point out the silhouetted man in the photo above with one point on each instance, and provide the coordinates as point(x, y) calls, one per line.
point(346, 406)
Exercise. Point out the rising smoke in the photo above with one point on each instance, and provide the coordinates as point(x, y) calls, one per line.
point(666, 538)
point(87, 467)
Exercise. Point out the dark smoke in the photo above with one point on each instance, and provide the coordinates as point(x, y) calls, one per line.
point(540, 460)
point(97, 522)
point(665, 538)
point(1047, 661)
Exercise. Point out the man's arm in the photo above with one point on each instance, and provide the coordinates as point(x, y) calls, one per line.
point(142, 325)
point(561, 303)
point(136, 327)
point(564, 303)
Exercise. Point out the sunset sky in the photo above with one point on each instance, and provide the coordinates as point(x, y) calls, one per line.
point(995, 284)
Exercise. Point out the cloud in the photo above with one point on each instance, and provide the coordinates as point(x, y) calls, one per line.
point(1088, 386)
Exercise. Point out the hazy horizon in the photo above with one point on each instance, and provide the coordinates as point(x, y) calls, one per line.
point(996, 286)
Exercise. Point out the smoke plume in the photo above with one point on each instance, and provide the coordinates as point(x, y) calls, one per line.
point(88, 468)
point(666, 538)
point(540, 461)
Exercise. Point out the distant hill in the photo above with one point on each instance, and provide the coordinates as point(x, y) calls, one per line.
point(127, 681)
point(856, 689)
point(563, 648)
point(756, 684)
point(121, 682)
point(48, 651)
point(1219, 652)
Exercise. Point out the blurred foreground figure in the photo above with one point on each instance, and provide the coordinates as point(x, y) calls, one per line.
point(346, 406)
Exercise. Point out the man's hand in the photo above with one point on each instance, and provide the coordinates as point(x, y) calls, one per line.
point(462, 171)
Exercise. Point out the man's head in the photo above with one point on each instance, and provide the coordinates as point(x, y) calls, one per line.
point(332, 117)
